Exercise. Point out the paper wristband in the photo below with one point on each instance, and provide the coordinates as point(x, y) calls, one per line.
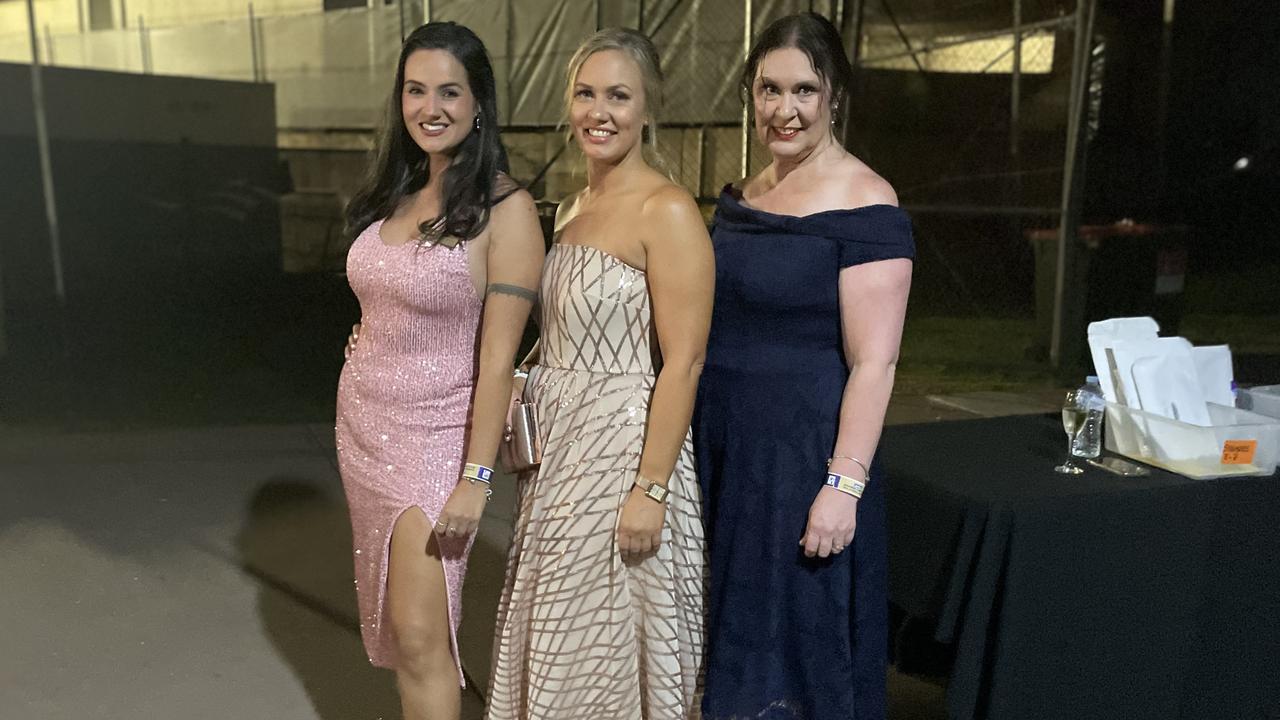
point(476, 471)
point(846, 484)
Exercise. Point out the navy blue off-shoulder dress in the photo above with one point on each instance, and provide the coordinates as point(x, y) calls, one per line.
point(788, 636)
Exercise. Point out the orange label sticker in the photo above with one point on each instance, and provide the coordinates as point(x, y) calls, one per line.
point(1238, 452)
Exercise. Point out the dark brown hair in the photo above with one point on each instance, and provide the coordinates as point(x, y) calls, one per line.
point(474, 181)
point(817, 38)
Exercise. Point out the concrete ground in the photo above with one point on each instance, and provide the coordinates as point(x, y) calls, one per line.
point(206, 573)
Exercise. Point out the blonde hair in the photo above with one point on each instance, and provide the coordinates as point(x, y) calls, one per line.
point(640, 49)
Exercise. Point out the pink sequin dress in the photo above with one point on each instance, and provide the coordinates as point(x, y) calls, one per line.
point(404, 400)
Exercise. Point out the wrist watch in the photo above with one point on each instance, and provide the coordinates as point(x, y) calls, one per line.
point(652, 490)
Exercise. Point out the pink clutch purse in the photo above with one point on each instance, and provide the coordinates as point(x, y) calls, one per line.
point(521, 448)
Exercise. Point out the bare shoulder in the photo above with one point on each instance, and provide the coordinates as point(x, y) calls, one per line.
point(670, 203)
point(860, 185)
point(672, 222)
point(504, 185)
point(515, 220)
point(515, 207)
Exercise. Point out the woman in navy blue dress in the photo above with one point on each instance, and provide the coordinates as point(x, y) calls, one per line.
point(813, 268)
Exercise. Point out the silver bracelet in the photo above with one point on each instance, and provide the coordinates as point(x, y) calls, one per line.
point(865, 471)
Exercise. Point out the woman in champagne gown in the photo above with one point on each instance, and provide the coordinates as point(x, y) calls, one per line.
point(602, 613)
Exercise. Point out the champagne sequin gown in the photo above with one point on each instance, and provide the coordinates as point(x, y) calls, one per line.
point(581, 634)
point(402, 413)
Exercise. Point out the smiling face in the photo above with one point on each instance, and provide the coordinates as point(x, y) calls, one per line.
point(607, 111)
point(436, 101)
point(792, 104)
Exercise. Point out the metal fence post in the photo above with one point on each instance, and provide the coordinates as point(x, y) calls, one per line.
point(1015, 89)
point(253, 43)
point(371, 38)
point(511, 59)
point(1064, 341)
point(3, 341)
point(748, 21)
point(850, 26)
point(144, 42)
point(46, 162)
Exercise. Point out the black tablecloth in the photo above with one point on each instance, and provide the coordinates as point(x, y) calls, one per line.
point(1093, 596)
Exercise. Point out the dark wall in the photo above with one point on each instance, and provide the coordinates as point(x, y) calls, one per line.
point(1224, 104)
point(1123, 168)
point(177, 310)
point(943, 141)
point(161, 182)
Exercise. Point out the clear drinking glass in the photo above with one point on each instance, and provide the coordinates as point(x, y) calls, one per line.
point(1074, 411)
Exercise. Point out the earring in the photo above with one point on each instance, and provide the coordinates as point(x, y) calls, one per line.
point(477, 123)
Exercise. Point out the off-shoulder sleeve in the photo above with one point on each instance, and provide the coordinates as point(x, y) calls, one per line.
point(880, 232)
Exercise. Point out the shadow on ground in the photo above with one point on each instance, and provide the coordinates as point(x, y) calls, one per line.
point(296, 542)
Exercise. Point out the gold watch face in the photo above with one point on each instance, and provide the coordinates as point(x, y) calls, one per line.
point(656, 492)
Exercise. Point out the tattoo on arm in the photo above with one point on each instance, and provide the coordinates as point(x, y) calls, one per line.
point(513, 290)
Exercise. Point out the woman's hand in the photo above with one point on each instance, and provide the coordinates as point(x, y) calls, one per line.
point(640, 525)
point(833, 517)
point(351, 341)
point(461, 514)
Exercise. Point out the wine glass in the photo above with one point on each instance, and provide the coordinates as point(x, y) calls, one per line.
point(1074, 411)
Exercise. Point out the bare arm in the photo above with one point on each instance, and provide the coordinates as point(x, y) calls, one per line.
point(681, 272)
point(513, 268)
point(680, 268)
point(873, 304)
point(873, 307)
point(513, 264)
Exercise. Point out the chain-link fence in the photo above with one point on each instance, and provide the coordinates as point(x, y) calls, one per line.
point(965, 107)
point(962, 106)
point(332, 69)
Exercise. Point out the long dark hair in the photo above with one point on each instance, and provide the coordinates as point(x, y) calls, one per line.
point(817, 38)
point(470, 185)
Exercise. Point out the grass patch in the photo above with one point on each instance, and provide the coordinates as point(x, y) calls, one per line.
point(961, 354)
point(968, 354)
point(1252, 334)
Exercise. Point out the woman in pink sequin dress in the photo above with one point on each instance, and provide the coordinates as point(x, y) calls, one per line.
point(445, 267)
